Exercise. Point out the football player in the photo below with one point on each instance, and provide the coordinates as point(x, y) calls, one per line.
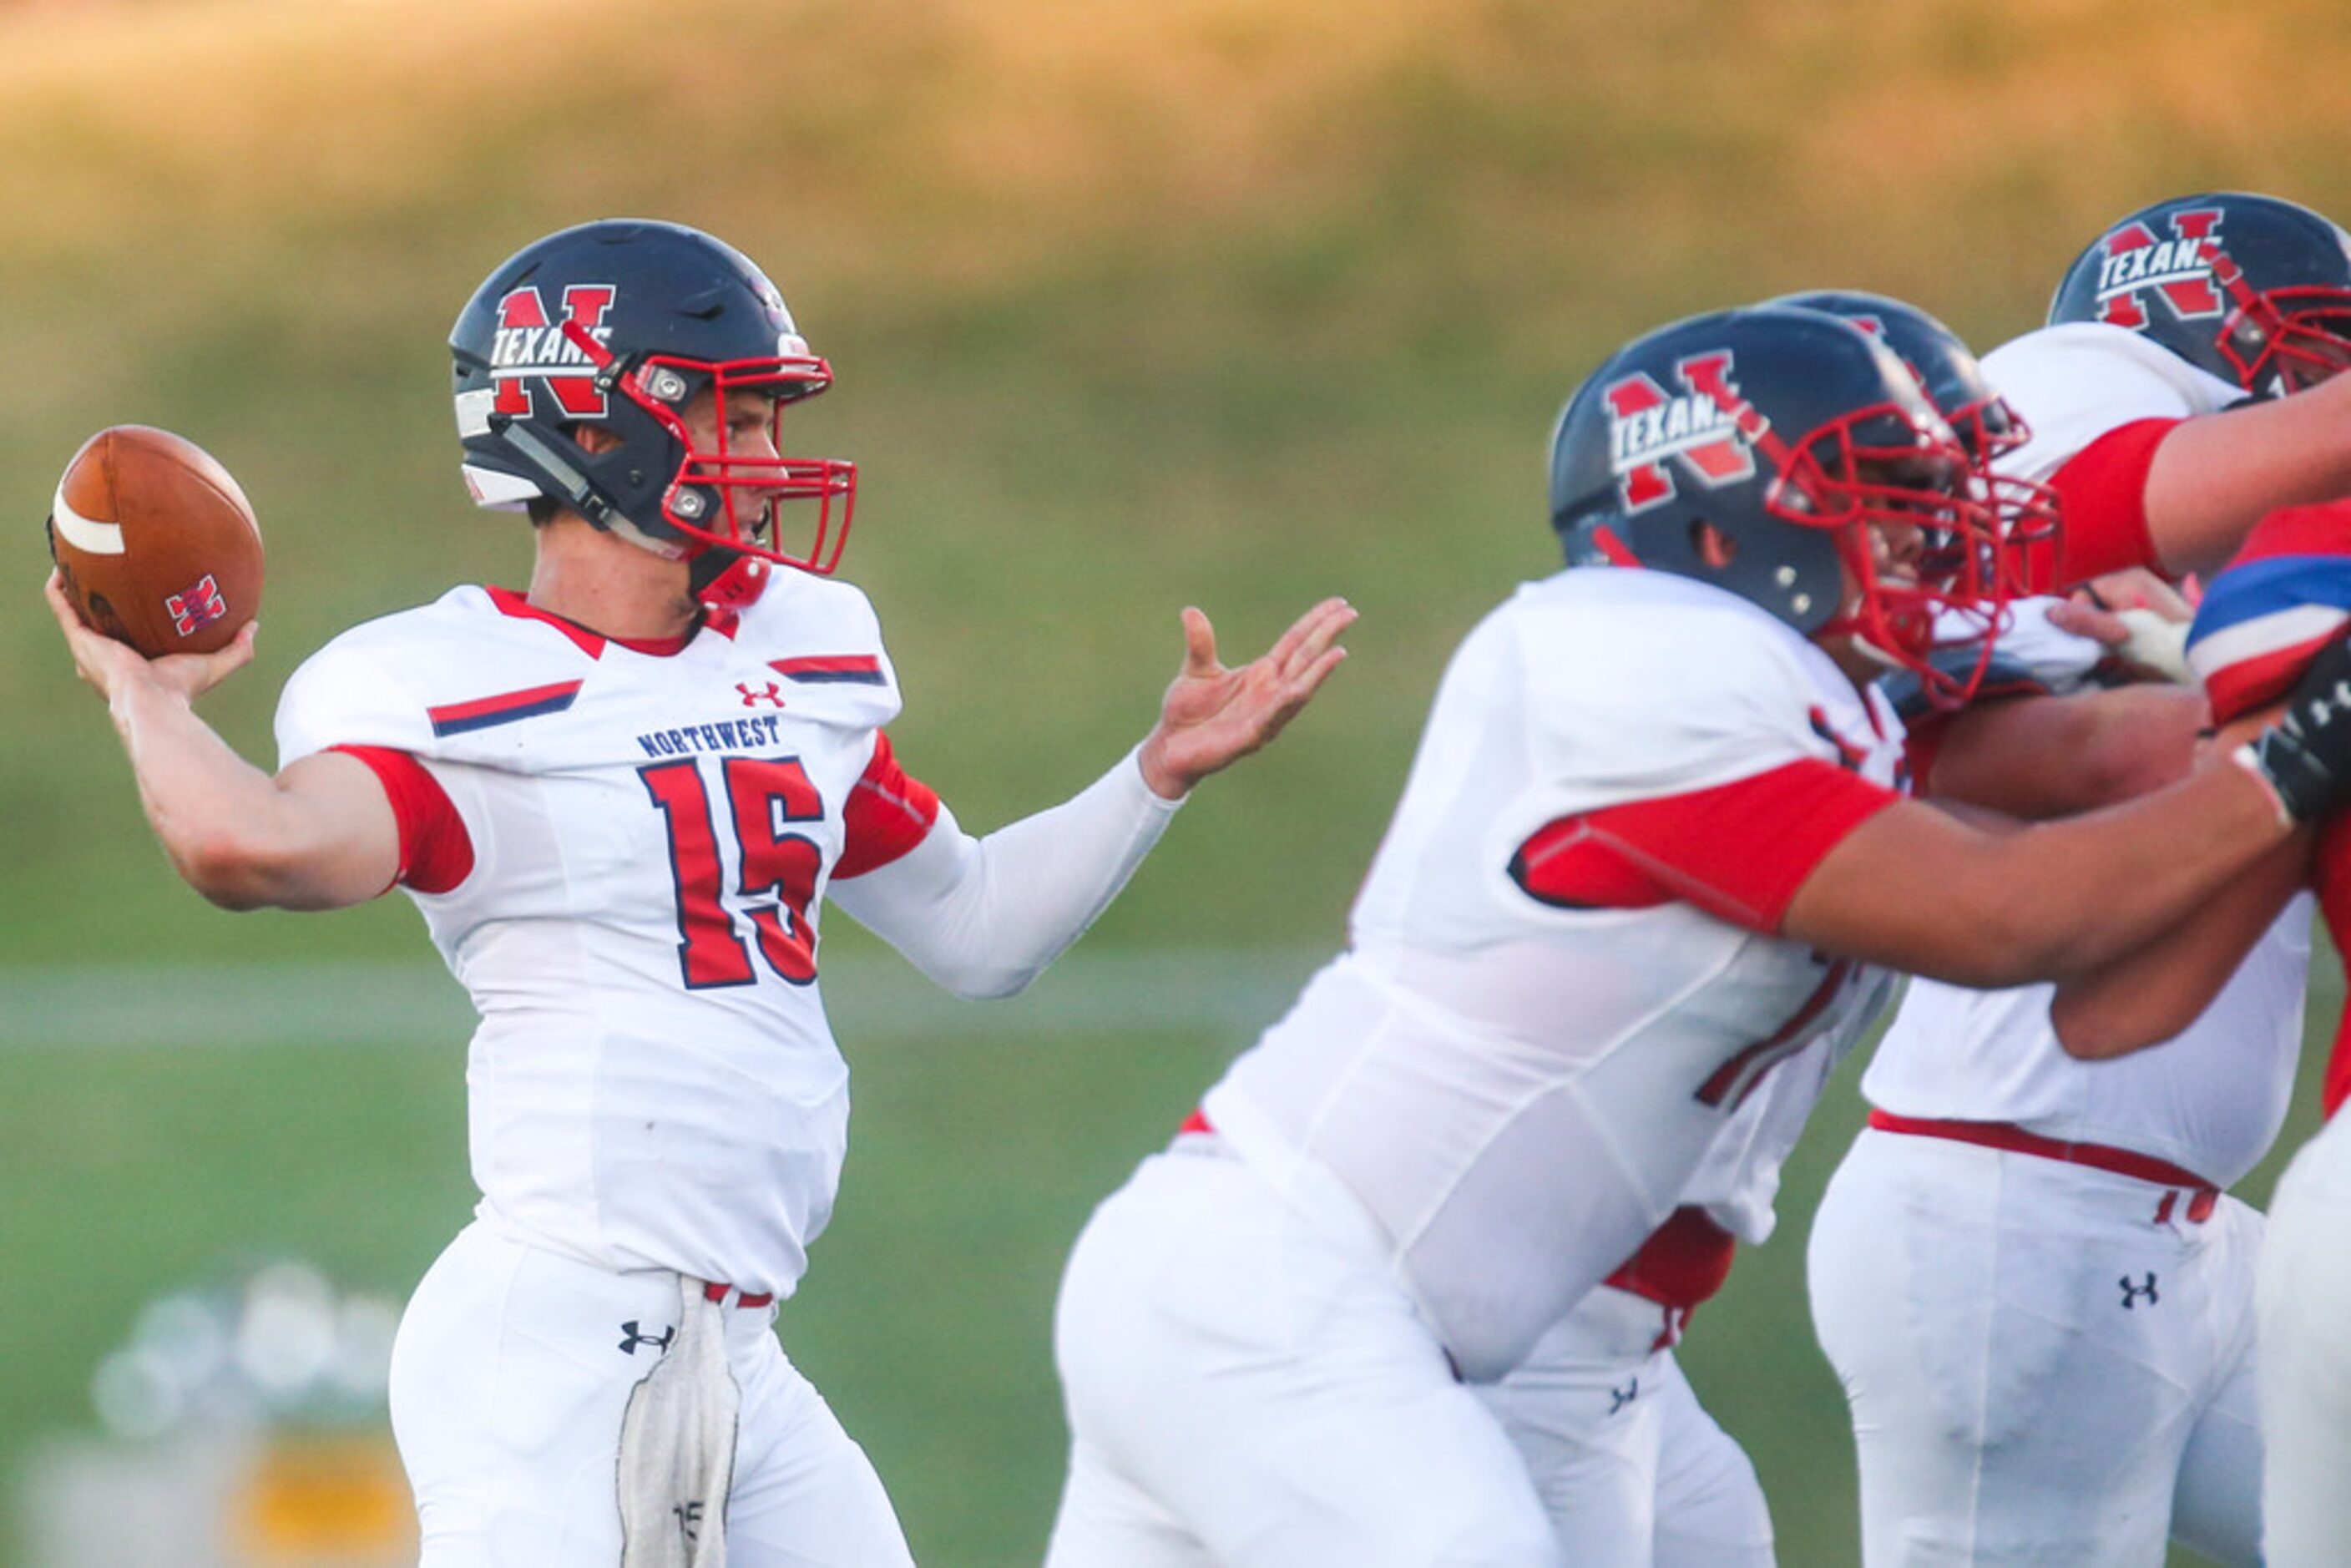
point(1629, 1465)
point(2027, 1271)
point(1632, 1469)
point(620, 797)
point(1653, 845)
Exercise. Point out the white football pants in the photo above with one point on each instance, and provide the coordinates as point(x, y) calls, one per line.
point(508, 1379)
point(2306, 1318)
point(1632, 1469)
point(2038, 1372)
point(1247, 1386)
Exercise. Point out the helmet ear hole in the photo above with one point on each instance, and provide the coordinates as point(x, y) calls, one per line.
point(1714, 548)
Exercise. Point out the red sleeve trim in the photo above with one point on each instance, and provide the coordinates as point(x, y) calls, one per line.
point(888, 814)
point(2103, 491)
point(436, 854)
point(1739, 851)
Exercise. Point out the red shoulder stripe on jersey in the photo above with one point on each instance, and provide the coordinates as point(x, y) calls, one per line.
point(486, 713)
point(1683, 1261)
point(2103, 491)
point(436, 854)
point(1739, 851)
point(860, 669)
point(887, 814)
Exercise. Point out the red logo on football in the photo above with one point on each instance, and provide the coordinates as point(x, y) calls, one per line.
point(194, 607)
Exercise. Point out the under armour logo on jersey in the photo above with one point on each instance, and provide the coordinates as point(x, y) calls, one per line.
point(772, 693)
point(1705, 427)
point(2132, 1293)
point(2178, 267)
point(530, 345)
point(194, 607)
point(634, 1339)
point(1620, 1397)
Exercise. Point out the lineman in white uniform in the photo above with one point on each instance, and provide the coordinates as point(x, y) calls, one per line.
point(1632, 1469)
point(619, 800)
point(1649, 850)
point(2026, 1272)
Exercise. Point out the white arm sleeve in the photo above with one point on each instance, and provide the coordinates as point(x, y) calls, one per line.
point(984, 917)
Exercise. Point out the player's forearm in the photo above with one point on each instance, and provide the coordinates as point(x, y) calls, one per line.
point(2213, 478)
point(2152, 995)
point(2043, 902)
point(223, 822)
point(985, 917)
point(2062, 899)
point(2042, 757)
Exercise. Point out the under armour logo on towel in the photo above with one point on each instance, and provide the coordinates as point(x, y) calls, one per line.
point(659, 1341)
point(2131, 1293)
point(1620, 1397)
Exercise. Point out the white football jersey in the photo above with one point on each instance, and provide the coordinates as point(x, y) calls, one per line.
point(653, 1083)
point(1516, 1091)
point(2212, 1100)
point(2075, 381)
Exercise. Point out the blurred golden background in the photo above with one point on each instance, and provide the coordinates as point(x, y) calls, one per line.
point(1234, 302)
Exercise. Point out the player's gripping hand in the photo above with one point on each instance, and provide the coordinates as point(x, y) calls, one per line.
point(113, 668)
point(2306, 755)
point(1212, 716)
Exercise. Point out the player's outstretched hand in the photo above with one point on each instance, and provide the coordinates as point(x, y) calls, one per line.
point(1212, 716)
point(109, 665)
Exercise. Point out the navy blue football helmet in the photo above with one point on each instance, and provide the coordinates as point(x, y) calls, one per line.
point(1954, 382)
point(2025, 510)
point(620, 325)
point(2254, 289)
point(1763, 450)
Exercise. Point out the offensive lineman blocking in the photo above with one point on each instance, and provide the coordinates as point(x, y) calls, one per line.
point(1569, 965)
point(2028, 1272)
point(620, 799)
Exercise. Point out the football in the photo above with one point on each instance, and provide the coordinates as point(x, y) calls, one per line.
point(155, 544)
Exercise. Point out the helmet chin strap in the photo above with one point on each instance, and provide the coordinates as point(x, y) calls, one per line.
point(727, 579)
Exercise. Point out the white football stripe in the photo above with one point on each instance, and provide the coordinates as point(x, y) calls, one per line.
point(85, 534)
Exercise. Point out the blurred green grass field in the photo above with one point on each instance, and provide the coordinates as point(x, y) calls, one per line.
point(1234, 302)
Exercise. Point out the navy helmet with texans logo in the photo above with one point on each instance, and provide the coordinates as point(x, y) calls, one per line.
point(1945, 366)
point(2027, 510)
point(1758, 450)
point(620, 325)
point(2252, 288)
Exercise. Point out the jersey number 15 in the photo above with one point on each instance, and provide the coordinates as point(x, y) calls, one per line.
point(778, 869)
